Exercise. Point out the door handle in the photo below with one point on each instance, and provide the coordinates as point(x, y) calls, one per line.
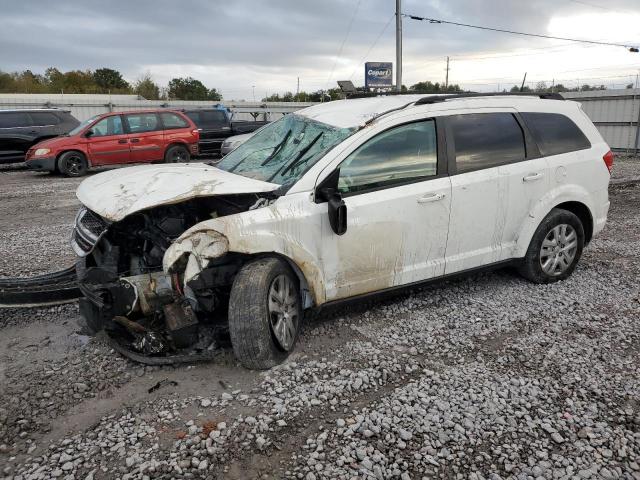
point(135, 140)
point(532, 177)
point(434, 197)
point(122, 140)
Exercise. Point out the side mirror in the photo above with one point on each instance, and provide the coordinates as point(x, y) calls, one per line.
point(328, 192)
point(89, 133)
point(337, 212)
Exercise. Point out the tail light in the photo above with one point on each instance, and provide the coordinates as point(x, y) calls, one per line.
point(608, 160)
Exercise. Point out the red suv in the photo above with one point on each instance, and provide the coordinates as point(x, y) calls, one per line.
point(118, 138)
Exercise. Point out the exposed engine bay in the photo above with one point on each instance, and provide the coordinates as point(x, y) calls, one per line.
point(129, 296)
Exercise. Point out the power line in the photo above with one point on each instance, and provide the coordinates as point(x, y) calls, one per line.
point(373, 45)
point(344, 40)
point(594, 42)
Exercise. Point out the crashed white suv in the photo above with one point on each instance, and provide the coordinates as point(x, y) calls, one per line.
point(336, 201)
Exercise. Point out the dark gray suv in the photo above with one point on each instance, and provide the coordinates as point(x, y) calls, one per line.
point(20, 129)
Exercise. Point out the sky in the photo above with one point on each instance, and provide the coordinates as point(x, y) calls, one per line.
point(250, 48)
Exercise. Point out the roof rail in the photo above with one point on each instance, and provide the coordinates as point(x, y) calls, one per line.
point(441, 98)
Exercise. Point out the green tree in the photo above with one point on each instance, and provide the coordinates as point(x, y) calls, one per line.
point(214, 95)
point(108, 80)
point(147, 88)
point(516, 88)
point(188, 89)
point(7, 82)
point(429, 87)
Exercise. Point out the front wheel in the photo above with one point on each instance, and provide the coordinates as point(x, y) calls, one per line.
point(555, 248)
point(177, 154)
point(265, 313)
point(73, 164)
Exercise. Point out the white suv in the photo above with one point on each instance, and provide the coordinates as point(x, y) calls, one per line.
point(334, 202)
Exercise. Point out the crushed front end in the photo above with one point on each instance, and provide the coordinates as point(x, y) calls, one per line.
point(150, 314)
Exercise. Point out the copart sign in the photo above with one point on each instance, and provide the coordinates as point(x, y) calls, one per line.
point(378, 74)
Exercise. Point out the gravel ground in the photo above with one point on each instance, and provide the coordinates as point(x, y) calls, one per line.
point(483, 377)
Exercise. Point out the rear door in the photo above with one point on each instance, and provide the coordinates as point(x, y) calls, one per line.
point(107, 143)
point(146, 137)
point(528, 182)
point(486, 200)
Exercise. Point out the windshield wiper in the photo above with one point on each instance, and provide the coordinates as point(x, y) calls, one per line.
point(298, 160)
point(276, 149)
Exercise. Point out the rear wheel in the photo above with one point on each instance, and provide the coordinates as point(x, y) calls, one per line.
point(265, 313)
point(177, 154)
point(555, 248)
point(73, 164)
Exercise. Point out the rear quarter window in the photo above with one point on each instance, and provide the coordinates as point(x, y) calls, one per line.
point(172, 121)
point(41, 119)
point(555, 133)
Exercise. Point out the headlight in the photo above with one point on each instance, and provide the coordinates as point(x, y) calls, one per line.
point(41, 151)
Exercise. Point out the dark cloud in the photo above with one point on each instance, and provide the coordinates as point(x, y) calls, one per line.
point(234, 44)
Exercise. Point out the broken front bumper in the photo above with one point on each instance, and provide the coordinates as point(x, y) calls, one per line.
point(144, 314)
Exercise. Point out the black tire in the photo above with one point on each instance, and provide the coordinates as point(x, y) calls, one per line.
point(177, 154)
point(72, 164)
point(531, 267)
point(254, 341)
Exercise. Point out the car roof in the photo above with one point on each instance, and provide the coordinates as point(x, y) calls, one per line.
point(22, 110)
point(356, 112)
point(145, 110)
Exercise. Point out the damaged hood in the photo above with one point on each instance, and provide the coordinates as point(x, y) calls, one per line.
point(118, 193)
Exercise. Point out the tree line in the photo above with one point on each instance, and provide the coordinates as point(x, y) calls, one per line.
point(104, 80)
point(336, 93)
point(542, 87)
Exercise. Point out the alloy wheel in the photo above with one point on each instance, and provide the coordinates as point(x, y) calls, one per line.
point(283, 311)
point(74, 165)
point(558, 249)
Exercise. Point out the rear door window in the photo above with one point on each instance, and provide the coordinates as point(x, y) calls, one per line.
point(485, 140)
point(171, 121)
point(42, 119)
point(555, 133)
point(14, 119)
point(143, 122)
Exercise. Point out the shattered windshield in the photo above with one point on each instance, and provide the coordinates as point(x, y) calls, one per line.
point(283, 150)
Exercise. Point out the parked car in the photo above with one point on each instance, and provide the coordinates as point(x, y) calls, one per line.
point(21, 129)
point(338, 201)
point(234, 142)
point(216, 125)
point(142, 136)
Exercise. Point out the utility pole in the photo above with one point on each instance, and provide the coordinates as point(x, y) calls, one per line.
point(298, 90)
point(398, 45)
point(523, 79)
point(446, 80)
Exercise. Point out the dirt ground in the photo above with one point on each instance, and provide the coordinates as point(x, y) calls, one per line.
point(483, 377)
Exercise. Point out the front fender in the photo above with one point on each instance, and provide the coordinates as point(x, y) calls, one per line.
point(285, 227)
point(556, 196)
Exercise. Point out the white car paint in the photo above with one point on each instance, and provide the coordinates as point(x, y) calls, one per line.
point(118, 193)
point(393, 237)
